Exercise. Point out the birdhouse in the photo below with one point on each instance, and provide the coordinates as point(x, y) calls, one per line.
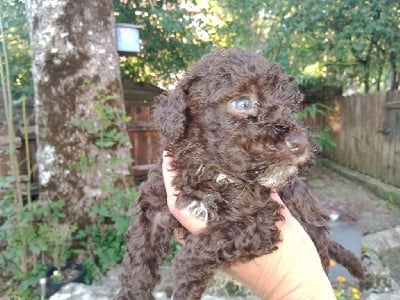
point(128, 39)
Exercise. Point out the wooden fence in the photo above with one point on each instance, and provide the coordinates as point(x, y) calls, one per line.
point(144, 138)
point(366, 130)
point(143, 135)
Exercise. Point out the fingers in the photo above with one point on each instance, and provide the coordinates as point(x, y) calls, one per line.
point(275, 196)
point(284, 211)
point(191, 223)
point(169, 174)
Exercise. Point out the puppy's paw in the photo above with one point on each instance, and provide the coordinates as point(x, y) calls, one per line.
point(196, 209)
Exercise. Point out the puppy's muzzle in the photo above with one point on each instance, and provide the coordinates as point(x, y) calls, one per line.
point(296, 143)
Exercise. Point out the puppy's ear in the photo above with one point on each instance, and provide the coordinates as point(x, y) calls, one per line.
point(170, 113)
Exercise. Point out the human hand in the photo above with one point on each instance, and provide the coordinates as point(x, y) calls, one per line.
point(293, 272)
point(191, 223)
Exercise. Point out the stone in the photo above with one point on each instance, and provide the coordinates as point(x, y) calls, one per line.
point(107, 287)
point(383, 240)
point(383, 297)
point(80, 291)
point(379, 280)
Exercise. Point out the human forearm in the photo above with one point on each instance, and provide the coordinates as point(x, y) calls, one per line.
point(293, 272)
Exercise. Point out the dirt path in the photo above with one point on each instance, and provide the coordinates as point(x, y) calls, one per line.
point(352, 201)
point(357, 204)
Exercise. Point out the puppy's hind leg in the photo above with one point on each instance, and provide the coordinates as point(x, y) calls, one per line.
point(148, 245)
point(347, 259)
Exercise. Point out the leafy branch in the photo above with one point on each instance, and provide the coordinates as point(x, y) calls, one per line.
point(323, 139)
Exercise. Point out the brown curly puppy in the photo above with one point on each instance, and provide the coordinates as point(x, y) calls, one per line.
point(229, 125)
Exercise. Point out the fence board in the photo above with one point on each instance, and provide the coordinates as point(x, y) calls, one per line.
point(144, 139)
point(366, 130)
point(391, 157)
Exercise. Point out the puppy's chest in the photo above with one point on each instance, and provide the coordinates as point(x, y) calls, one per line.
point(215, 196)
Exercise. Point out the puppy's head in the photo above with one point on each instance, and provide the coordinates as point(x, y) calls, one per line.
point(235, 109)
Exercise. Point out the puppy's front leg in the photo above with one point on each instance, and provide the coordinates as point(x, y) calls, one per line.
point(148, 242)
point(194, 266)
point(145, 253)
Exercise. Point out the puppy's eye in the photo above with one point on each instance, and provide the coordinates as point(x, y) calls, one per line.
point(242, 104)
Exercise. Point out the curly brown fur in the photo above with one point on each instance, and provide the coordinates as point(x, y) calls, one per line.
point(229, 125)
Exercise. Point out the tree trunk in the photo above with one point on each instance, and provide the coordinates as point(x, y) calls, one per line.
point(73, 42)
point(366, 76)
point(394, 81)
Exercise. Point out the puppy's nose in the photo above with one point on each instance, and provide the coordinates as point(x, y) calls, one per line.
point(296, 143)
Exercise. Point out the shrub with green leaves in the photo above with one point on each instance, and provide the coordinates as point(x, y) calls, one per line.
point(322, 138)
point(32, 238)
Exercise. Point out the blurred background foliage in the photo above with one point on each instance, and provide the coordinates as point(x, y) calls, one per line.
point(352, 43)
point(16, 37)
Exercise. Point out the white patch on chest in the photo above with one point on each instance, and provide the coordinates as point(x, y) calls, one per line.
point(277, 178)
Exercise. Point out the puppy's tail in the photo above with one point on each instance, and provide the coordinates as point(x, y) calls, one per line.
point(347, 259)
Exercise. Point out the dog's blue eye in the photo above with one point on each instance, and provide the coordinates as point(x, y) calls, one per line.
point(242, 104)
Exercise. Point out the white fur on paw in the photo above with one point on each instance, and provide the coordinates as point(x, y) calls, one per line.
point(222, 178)
point(196, 209)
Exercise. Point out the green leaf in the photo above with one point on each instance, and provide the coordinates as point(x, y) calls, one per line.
point(83, 124)
point(105, 143)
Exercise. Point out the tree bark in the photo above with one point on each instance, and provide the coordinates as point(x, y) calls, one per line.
point(394, 81)
point(73, 41)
